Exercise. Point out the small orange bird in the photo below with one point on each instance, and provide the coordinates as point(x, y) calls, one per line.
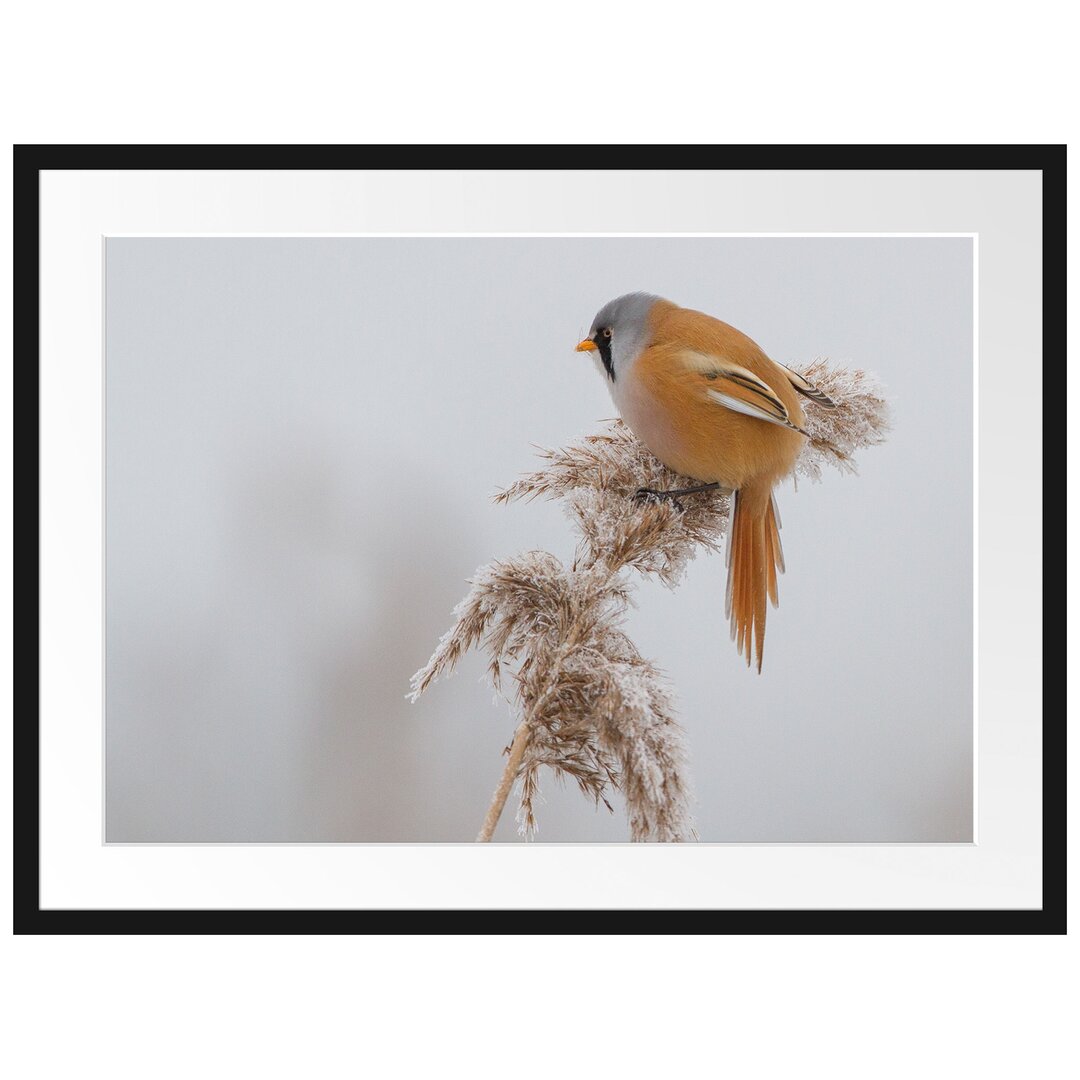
point(710, 404)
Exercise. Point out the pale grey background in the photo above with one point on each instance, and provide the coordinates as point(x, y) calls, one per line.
point(302, 435)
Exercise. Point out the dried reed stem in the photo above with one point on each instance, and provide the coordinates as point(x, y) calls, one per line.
point(510, 774)
point(593, 709)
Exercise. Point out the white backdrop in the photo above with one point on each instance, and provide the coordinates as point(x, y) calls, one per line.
point(302, 438)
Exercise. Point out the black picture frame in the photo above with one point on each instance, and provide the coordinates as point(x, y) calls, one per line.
point(28, 915)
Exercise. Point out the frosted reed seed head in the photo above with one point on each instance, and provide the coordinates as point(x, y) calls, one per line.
point(596, 712)
point(860, 418)
point(597, 479)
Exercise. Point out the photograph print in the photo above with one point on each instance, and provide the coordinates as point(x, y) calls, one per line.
point(561, 539)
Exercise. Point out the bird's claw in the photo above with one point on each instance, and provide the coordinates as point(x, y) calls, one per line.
point(644, 495)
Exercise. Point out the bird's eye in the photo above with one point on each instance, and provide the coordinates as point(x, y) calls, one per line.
point(607, 331)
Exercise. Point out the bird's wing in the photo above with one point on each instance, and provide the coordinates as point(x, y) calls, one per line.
point(808, 389)
point(739, 389)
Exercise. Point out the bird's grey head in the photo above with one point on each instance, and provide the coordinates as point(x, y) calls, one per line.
point(619, 333)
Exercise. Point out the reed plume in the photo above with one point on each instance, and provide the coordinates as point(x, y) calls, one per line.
point(592, 708)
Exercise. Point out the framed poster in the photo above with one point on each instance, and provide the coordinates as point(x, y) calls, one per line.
point(278, 386)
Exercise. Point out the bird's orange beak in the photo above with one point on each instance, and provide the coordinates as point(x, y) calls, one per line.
point(588, 345)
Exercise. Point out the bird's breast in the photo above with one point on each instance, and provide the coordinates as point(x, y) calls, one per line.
point(665, 425)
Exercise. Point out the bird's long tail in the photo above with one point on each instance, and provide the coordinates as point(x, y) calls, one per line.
point(754, 558)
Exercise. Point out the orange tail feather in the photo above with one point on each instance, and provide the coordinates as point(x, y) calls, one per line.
point(754, 559)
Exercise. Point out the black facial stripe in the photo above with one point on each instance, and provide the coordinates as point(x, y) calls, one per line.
point(604, 345)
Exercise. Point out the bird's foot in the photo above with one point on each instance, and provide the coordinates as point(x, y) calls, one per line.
point(652, 495)
point(646, 495)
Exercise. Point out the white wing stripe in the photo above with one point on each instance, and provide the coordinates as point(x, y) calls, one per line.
point(735, 405)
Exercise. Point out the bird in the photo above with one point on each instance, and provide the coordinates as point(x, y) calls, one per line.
point(708, 402)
